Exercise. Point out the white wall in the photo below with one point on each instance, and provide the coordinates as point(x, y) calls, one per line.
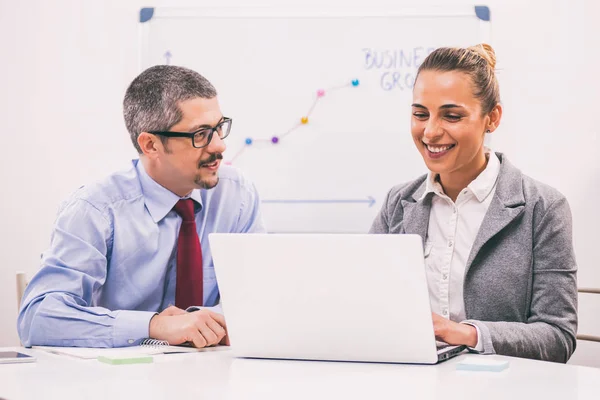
point(66, 65)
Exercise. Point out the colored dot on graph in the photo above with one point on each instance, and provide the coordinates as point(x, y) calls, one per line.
point(248, 141)
point(355, 82)
point(275, 139)
point(320, 93)
point(304, 120)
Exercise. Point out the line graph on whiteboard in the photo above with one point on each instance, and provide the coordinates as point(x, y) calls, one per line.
point(274, 140)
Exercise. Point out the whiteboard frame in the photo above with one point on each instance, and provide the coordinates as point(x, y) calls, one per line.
point(148, 15)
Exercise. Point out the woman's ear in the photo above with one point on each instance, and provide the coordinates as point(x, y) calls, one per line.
point(495, 116)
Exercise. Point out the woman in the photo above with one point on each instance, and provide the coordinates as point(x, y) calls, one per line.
point(498, 245)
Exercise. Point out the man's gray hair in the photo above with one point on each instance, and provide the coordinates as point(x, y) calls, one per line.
point(152, 100)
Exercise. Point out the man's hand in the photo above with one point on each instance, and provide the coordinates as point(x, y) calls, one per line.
point(202, 328)
point(452, 332)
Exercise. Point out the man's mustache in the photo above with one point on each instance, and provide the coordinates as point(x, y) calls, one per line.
point(213, 157)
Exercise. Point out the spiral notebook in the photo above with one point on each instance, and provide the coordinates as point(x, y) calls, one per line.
point(147, 347)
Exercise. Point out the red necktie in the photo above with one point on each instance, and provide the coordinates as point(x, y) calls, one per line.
point(188, 291)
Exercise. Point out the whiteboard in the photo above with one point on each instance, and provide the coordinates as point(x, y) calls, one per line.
point(320, 99)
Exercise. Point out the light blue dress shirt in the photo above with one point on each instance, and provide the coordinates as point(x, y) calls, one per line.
point(111, 264)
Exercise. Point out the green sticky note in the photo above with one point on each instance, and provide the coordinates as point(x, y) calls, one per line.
point(123, 360)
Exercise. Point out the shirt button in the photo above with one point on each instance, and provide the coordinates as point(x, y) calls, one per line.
point(130, 341)
point(445, 276)
point(445, 312)
point(450, 243)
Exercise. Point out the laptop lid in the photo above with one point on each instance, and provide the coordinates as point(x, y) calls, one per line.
point(346, 297)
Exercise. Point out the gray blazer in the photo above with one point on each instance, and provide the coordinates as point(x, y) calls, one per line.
point(520, 286)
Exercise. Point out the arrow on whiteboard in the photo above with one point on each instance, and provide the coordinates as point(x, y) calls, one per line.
point(370, 201)
point(167, 56)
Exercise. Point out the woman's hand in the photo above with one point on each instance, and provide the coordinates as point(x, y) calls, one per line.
point(452, 332)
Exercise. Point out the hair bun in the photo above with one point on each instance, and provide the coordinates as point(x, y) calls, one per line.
point(486, 52)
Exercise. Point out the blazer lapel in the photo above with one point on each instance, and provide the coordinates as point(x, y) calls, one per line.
point(416, 213)
point(508, 203)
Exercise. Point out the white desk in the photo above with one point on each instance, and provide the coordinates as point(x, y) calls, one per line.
point(217, 375)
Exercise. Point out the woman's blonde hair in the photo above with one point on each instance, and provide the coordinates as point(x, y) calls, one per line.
point(477, 61)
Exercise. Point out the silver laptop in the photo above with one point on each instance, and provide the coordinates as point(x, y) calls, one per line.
point(338, 297)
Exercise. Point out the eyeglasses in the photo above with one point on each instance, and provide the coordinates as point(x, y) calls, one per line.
point(202, 137)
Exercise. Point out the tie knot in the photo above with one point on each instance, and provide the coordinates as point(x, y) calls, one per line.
point(185, 209)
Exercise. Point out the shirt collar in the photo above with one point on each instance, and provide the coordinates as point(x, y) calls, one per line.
point(432, 185)
point(158, 199)
point(481, 186)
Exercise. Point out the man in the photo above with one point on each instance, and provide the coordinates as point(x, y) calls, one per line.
point(136, 243)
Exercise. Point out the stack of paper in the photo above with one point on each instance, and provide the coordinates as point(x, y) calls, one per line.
point(93, 353)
